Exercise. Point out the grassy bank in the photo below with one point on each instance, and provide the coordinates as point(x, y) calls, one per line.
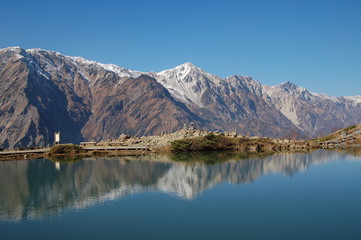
point(206, 143)
point(68, 149)
point(212, 142)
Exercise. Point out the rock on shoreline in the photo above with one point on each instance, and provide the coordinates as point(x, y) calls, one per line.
point(163, 142)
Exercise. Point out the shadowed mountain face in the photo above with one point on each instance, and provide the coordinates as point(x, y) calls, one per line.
point(34, 104)
point(36, 188)
point(42, 92)
point(139, 106)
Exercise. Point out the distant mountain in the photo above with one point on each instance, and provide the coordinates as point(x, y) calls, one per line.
point(44, 91)
point(313, 113)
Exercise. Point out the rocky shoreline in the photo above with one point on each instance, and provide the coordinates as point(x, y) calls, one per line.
point(349, 137)
point(130, 145)
point(163, 142)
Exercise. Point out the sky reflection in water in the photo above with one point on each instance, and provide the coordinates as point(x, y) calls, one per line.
point(304, 195)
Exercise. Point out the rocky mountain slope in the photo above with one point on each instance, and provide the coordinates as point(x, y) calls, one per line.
point(44, 91)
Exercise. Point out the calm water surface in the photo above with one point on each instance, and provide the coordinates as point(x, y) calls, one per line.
point(200, 196)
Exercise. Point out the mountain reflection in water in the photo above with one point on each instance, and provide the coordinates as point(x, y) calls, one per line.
point(31, 189)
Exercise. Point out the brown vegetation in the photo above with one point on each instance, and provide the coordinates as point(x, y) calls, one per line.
point(221, 142)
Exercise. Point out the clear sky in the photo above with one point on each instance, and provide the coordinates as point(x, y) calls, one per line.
point(313, 43)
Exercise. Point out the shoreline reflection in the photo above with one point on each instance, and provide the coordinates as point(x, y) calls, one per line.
point(32, 189)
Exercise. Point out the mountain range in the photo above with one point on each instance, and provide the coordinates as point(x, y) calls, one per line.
point(42, 92)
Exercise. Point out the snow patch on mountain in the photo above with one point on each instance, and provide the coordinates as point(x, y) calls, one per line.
point(15, 51)
point(121, 72)
point(325, 97)
point(355, 99)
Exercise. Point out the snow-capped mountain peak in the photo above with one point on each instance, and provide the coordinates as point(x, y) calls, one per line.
point(289, 86)
point(293, 89)
point(187, 66)
point(187, 82)
point(182, 71)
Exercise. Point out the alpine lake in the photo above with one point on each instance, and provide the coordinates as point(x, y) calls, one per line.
point(209, 195)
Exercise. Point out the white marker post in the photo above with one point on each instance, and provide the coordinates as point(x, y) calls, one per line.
point(57, 138)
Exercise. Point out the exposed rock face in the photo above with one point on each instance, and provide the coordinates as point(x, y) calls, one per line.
point(42, 92)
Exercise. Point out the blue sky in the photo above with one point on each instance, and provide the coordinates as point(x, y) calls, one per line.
point(313, 43)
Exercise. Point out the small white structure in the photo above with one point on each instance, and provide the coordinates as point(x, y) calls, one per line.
point(56, 138)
